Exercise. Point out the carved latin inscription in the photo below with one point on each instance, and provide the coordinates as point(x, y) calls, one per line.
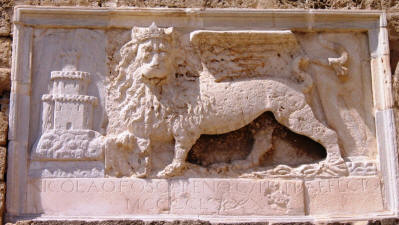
point(186, 197)
point(103, 196)
point(234, 197)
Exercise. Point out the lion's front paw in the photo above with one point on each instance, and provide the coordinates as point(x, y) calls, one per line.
point(242, 164)
point(173, 169)
point(234, 165)
point(141, 175)
point(219, 166)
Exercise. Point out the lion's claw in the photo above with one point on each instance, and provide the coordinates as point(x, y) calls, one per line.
point(171, 170)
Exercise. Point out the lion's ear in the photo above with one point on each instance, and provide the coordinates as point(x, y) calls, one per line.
point(169, 30)
point(135, 31)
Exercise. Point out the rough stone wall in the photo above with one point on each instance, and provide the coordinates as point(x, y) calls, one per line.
point(6, 9)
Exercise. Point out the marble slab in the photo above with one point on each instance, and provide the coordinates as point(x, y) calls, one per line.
point(215, 114)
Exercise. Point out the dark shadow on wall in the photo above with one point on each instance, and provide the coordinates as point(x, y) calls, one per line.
point(288, 148)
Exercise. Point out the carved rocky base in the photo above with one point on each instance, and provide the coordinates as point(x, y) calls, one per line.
point(362, 166)
point(69, 145)
point(68, 153)
point(320, 170)
point(323, 169)
point(53, 169)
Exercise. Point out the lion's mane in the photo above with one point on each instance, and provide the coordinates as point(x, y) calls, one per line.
point(140, 107)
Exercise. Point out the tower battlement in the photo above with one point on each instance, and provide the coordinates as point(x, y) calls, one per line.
point(72, 75)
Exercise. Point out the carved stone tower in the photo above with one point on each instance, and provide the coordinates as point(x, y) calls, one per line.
point(68, 107)
point(67, 117)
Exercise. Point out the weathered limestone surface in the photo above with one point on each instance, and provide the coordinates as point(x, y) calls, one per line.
point(6, 9)
point(2, 163)
point(3, 128)
point(5, 74)
point(5, 18)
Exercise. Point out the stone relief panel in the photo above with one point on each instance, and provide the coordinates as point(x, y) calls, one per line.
point(67, 119)
point(203, 69)
point(147, 117)
point(201, 61)
point(72, 114)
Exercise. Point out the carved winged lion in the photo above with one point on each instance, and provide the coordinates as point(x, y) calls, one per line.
point(155, 97)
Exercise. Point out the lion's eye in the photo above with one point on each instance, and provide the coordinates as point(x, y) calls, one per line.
point(146, 56)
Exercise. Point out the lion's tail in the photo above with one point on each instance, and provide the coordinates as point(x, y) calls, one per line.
point(298, 66)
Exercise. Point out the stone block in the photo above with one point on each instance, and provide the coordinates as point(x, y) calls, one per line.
point(92, 3)
point(231, 4)
point(3, 164)
point(3, 128)
point(6, 9)
point(5, 21)
point(2, 200)
point(5, 52)
point(157, 3)
point(5, 76)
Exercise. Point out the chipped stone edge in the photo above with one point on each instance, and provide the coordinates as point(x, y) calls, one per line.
point(384, 115)
point(19, 120)
point(374, 22)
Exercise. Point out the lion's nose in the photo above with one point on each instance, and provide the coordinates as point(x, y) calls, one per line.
point(155, 60)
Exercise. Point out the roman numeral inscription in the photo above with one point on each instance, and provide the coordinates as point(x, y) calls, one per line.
point(239, 197)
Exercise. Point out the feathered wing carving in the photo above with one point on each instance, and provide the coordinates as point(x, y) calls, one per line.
point(247, 54)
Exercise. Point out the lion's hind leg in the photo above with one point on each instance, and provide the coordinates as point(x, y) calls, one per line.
point(263, 143)
point(303, 121)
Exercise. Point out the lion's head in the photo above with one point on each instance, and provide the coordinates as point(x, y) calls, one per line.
point(153, 66)
point(149, 56)
point(156, 90)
